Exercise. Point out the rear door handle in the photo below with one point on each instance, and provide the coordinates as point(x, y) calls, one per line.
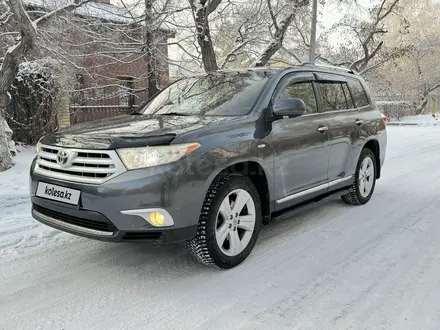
point(359, 122)
point(322, 129)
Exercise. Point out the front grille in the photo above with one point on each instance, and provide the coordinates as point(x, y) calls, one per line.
point(85, 166)
point(81, 222)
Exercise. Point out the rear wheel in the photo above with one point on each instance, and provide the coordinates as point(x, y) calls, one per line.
point(364, 179)
point(229, 223)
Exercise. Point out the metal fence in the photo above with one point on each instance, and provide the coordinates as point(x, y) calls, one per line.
point(85, 105)
point(80, 114)
point(104, 102)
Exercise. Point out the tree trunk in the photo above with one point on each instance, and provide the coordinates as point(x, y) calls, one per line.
point(277, 42)
point(422, 105)
point(6, 161)
point(424, 98)
point(150, 54)
point(207, 48)
point(8, 69)
point(204, 39)
point(12, 59)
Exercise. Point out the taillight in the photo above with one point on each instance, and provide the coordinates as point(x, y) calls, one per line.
point(385, 119)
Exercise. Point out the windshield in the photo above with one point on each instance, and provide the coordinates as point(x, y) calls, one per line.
point(217, 94)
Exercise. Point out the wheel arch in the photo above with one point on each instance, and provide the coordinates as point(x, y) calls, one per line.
point(374, 146)
point(256, 173)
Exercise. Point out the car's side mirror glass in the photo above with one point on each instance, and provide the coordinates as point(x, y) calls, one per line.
point(291, 107)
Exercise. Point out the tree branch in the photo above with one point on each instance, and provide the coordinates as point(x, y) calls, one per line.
point(342, 64)
point(375, 51)
point(381, 18)
point(212, 6)
point(433, 88)
point(69, 7)
point(233, 52)
point(272, 15)
point(4, 19)
point(291, 54)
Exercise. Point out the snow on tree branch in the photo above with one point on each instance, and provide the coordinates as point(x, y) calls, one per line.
point(67, 8)
point(367, 31)
point(280, 30)
point(13, 57)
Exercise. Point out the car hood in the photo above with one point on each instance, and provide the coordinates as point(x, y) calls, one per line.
point(129, 131)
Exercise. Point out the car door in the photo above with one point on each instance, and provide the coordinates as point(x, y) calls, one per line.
point(344, 123)
point(301, 144)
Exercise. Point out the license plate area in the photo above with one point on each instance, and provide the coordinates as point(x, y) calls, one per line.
point(58, 193)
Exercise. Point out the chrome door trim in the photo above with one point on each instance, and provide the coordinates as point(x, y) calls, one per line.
point(338, 181)
point(314, 189)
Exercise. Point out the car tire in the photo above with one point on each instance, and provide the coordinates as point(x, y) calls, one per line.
point(211, 247)
point(364, 179)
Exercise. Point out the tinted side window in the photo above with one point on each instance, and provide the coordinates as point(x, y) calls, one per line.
point(348, 96)
point(303, 91)
point(333, 96)
point(358, 92)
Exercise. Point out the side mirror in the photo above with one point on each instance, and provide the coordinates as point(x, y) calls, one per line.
point(289, 108)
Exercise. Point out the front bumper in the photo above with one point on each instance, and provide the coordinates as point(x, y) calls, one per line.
point(99, 214)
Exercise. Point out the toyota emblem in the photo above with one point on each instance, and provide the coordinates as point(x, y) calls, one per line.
point(63, 158)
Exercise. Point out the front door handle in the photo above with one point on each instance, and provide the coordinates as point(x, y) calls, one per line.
point(322, 129)
point(359, 122)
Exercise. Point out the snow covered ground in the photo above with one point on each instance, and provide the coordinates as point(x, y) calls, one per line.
point(334, 267)
point(18, 232)
point(417, 120)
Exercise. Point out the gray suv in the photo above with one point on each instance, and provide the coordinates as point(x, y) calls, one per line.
point(213, 157)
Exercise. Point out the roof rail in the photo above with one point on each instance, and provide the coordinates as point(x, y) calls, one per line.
point(326, 66)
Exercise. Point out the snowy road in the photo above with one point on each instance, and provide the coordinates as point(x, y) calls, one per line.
point(335, 267)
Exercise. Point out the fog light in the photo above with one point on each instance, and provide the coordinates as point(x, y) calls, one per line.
point(155, 216)
point(157, 219)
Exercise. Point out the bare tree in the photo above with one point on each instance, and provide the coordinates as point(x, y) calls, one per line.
point(279, 27)
point(364, 48)
point(367, 33)
point(427, 75)
point(27, 32)
point(150, 54)
point(414, 75)
point(238, 40)
point(134, 35)
point(201, 9)
point(243, 33)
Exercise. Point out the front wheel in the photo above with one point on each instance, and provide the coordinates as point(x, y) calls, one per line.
point(364, 180)
point(229, 223)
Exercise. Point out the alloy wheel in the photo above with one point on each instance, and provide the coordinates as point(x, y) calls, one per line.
point(235, 222)
point(366, 177)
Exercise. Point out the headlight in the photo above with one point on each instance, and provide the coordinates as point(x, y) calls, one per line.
point(134, 158)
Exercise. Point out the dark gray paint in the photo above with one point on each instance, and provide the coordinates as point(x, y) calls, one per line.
point(296, 156)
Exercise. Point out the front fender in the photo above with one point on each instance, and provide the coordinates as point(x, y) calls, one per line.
point(218, 159)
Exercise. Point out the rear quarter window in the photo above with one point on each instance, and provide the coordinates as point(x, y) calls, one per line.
point(359, 95)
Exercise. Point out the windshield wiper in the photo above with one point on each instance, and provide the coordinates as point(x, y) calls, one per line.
point(174, 114)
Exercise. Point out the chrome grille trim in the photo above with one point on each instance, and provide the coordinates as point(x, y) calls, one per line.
point(70, 226)
point(86, 166)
